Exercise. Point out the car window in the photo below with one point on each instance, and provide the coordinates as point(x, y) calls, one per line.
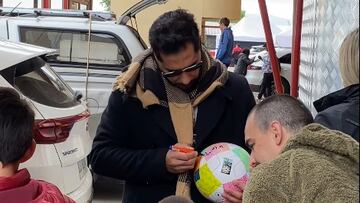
point(72, 46)
point(37, 81)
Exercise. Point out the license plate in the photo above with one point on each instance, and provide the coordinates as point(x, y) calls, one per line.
point(82, 166)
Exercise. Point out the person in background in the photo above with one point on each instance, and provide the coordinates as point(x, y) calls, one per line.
point(17, 146)
point(297, 160)
point(265, 86)
point(237, 50)
point(340, 110)
point(243, 62)
point(224, 53)
point(174, 94)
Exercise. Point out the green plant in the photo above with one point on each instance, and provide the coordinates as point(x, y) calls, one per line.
point(242, 14)
point(106, 4)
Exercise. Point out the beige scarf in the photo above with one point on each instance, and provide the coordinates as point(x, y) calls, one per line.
point(136, 81)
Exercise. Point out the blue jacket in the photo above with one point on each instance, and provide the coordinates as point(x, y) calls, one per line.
point(225, 47)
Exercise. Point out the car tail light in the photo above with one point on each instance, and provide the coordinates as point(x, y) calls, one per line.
point(50, 131)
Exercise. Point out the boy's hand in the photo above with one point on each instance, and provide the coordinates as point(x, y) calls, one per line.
point(233, 196)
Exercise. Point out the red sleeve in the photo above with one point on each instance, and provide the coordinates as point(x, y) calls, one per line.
point(50, 193)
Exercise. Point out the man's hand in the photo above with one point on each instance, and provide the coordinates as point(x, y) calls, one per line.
point(180, 162)
point(234, 196)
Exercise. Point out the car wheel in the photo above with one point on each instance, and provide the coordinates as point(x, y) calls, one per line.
point(285, 84)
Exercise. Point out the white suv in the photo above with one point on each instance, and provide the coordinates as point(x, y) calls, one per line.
point(111, 48)
point(254, 74)
point(61, 119)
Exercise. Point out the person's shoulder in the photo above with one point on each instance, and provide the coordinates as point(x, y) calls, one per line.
point(237, 80)
point(50, 193)
point(340, 109)
point(118, 97)
point(320, 171)
point(310, 163)
point(329, 116)
point(298, 160)
point(228, 31)
point(238, 87)
point(334, 116)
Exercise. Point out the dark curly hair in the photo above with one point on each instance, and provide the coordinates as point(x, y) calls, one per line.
point(172, 31)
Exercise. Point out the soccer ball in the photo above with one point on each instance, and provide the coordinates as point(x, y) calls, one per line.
point(219, 167)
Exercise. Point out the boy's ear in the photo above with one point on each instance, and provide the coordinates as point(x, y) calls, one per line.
point(29, 152)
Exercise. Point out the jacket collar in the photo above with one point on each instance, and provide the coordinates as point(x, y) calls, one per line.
point(21, 178)
point(344, 95)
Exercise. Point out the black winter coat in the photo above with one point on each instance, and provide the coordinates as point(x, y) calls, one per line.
point(340, 111)
point(131, 142)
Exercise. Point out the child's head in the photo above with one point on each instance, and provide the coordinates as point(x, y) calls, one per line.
point(16, 128)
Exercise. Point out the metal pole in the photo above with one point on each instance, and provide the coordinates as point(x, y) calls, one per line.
point(296, 41)
point(66, 4)
point(88, 62)
point(46, 4)
point(270, 46)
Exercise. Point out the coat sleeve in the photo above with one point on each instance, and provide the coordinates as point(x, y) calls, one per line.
point(237, 67)
point(223, 46)
point(110, 155)
point(249, 61)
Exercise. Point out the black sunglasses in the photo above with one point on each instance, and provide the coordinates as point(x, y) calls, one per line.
point(186, 69)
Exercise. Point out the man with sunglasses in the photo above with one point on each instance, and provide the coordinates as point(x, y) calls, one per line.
point(172, 102)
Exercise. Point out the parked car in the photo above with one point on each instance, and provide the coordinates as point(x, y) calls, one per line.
point(61, 119)
point(257, 49)
point(109, 48)
point(254, 74)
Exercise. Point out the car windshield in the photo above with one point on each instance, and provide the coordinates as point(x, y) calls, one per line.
point(37, 81)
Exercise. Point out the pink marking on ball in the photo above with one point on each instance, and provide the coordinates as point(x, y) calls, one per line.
point(215, 149)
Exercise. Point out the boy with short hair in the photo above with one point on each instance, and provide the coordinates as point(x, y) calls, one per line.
point(17, 146)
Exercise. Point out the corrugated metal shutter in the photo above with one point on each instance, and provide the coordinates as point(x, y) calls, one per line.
point(325, 24)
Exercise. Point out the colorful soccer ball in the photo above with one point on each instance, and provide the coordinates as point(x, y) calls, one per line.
point(220, 167)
